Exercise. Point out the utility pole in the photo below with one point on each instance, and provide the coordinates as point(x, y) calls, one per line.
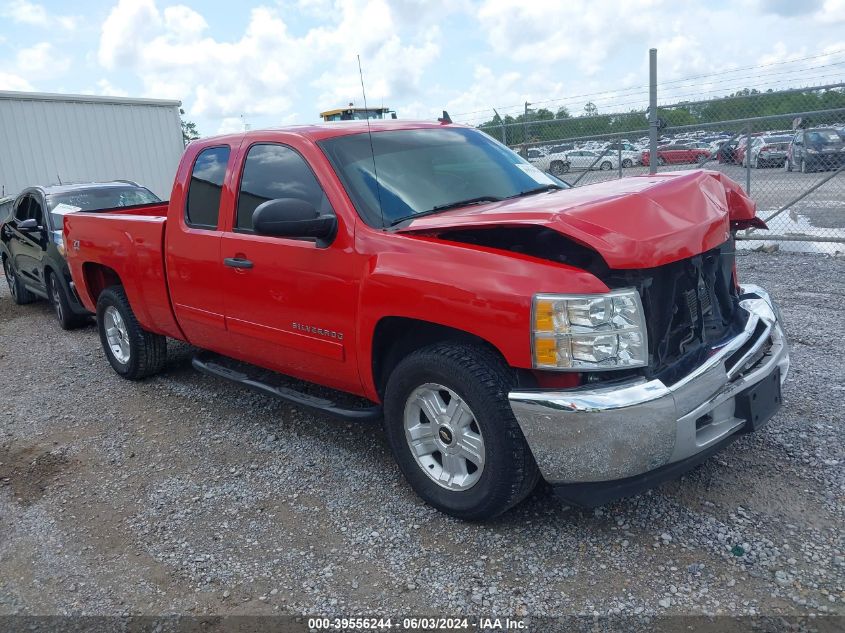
point(652, 111)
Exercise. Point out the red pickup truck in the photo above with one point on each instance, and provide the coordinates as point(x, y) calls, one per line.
point(503, 325)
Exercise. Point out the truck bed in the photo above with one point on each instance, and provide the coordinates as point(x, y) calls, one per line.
point(123, 246)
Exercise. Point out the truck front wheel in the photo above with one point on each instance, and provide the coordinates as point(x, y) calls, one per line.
point(133, 352)
point(453, 433)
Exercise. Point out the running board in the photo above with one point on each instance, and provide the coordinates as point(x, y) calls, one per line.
point(205, 363)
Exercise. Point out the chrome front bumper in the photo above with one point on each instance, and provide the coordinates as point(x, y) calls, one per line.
point(601, 434)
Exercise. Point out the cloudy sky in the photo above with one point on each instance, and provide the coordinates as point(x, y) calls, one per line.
point(276, 62)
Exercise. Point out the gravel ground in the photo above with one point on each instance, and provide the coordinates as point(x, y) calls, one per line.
point(183, 494)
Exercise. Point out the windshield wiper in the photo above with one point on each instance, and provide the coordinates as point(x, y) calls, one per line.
point(531, 192)
point(446, 207)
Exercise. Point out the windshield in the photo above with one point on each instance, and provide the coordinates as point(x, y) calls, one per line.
point(423, 170)
point(97, 200)
point(824, 137)
point(777, 139)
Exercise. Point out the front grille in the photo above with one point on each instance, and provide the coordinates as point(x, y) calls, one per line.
point(690, 305)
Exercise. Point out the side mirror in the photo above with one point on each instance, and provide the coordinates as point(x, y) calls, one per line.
point(29, 226)
point(292, 217)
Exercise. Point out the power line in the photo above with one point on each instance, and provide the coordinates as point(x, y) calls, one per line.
point(616, 109)
point(680, 97)
point(626, 91)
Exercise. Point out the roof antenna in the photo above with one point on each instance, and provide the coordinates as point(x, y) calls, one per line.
point(59, 178)
point(370, 134)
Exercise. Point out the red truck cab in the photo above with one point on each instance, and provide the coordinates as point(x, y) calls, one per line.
point(503, 325)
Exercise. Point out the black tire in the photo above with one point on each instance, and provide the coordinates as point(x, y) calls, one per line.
point(147, 351)
point(558, 167)
point(627, 163)
point(606, 165)
point(20, 294)
point(61, 306)
point(482, 380)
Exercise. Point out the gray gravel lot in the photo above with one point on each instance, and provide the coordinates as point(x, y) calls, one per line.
point(183, 494)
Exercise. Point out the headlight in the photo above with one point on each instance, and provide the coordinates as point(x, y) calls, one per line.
point(589, 332)
point(810, 150)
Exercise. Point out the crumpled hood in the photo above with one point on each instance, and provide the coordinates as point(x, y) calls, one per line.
point(636, 222)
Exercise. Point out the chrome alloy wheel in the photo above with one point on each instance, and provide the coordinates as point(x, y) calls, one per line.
point(116, 335)
point(444, 437)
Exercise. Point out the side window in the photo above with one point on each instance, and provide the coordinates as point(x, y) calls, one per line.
point(22, 209)
point(203, 205)
point(36, 212)
point(276, 171)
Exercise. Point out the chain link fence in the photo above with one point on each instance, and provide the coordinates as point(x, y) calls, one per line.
point(786, 148)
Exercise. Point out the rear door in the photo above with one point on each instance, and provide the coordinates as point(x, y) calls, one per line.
point(291, 304)
point(194, 267)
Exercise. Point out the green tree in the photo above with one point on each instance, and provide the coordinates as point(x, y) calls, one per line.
point(189, 129)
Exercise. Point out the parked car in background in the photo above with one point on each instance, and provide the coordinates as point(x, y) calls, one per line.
point(534, 154)
point(6, 203)
point(742, 148)
point(673, 154)
point(32, 247)
point(629, 152)
point(768, 151)
point(554, 160)
point(816, 148)
point(592, 159)
point(731, 152)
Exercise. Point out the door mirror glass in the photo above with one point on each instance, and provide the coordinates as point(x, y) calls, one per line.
point(292, 217)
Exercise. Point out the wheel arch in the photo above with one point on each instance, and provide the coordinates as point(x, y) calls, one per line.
point(98, 277)
point(395, 337)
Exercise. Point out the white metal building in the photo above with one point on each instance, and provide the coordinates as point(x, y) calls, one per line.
point(47, 138)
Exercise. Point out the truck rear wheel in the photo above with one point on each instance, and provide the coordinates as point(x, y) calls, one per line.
point(453, 433)
point(133, 352)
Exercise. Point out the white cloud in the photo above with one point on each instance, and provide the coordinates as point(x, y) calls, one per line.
point(9, 81)
point(578, 31)
point(267, 68)
point(25, 12)
point(832, 11)
point(104, 87)
point(42, 61)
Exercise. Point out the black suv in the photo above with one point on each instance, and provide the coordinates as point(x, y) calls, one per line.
point(817, 148)
point(32, 247)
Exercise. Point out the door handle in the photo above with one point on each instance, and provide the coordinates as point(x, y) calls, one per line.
point(237, 262)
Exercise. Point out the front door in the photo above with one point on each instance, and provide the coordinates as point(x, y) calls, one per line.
point(290, 303)
point(27, 246)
